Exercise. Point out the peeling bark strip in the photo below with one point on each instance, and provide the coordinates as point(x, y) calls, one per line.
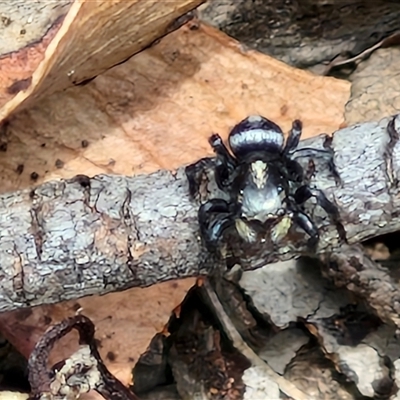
point(69, 239)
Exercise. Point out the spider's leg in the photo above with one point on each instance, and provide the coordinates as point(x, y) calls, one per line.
point(215, 217)
point(226, 164)
point(221, 150)
point(308, 226)
point(304, 193)
point(294, 137)
point(195, 171)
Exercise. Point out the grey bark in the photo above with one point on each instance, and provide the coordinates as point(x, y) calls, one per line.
point(73, 238)
point(304, 33)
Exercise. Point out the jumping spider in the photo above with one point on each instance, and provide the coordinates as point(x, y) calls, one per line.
point(266, 188)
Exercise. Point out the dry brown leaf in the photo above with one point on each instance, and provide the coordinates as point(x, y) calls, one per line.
point(158, 109)
point(74, 41)
point(154, 111)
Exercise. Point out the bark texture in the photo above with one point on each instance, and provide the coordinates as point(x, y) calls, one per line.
point(304, 33)
point(73, 238)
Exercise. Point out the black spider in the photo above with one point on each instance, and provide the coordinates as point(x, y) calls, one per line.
point(265, 187)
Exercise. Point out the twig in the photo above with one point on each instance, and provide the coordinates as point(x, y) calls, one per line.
point(285, 386)
point(83, 372)
point(391, 40)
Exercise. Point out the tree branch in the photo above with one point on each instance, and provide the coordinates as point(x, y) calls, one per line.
point(84, 236)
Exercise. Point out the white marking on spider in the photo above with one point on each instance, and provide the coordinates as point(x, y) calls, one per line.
point(259, 173)
point(256, 137)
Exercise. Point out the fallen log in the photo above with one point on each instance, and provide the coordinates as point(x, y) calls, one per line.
point(72, 238)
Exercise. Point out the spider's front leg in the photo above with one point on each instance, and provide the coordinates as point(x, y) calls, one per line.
point(305, 222)
point(225, 163)
point(215, 217)
point(223, 166)
point(293, 170)
point(294, 137)
point(194, 173)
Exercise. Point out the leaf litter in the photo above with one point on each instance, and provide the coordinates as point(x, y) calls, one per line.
point(179, 91)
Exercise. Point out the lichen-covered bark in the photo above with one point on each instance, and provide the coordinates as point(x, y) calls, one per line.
point(74, 238)
point(68, 239)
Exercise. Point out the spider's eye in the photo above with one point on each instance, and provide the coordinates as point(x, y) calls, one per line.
point(280, 212)
point(280, 189)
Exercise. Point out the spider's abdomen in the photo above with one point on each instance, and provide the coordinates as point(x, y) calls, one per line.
point(255, 134)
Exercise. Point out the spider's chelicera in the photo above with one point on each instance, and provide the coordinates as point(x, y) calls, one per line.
point(266, 188)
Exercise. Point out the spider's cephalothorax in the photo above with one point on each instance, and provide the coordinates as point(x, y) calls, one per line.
point(265, 187)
